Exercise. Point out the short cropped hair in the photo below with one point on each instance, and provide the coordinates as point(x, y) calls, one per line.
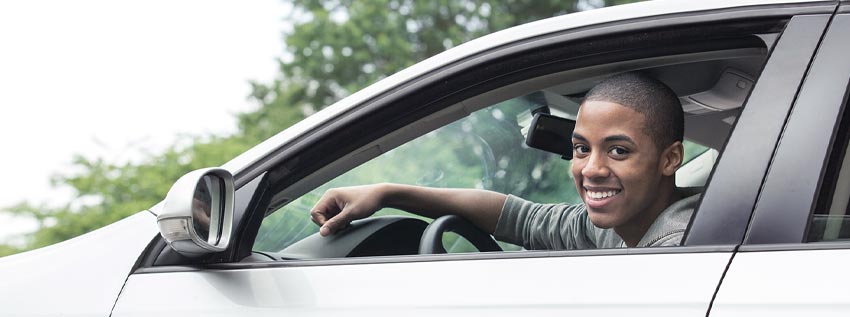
point(665, 120)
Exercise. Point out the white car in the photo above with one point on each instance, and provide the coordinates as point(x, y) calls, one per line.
point(764, 85)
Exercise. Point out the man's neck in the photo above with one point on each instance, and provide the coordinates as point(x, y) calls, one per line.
point(633, 231)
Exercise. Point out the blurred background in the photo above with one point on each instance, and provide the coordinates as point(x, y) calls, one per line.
point(106, 103)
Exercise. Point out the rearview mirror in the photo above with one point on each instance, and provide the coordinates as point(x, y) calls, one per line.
point(197, 216)
point(551, 134)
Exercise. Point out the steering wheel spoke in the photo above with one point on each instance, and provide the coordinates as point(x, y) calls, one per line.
point(432, 237)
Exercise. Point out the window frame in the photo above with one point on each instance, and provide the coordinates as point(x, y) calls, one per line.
point(791, 189)
point(466, 76)
point(724, 213)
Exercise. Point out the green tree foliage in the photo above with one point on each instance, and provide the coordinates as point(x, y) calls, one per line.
point(338, 47)
point(106, 192)
point(333, 49)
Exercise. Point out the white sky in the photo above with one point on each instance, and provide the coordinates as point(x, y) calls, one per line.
point(98, 77)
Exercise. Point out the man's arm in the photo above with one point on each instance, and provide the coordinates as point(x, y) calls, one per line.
point(339, 206)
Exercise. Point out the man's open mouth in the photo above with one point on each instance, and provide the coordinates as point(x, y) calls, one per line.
point(601, 194)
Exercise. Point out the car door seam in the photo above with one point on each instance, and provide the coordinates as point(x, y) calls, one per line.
point(720, 282)
point(115, 303)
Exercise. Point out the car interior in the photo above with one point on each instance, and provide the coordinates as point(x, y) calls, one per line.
point(712, 86)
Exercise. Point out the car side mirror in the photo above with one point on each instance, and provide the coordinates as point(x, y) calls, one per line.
point(551, 134)
point(197, 216)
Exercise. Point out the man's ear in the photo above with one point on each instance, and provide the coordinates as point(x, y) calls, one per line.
point(671, 158)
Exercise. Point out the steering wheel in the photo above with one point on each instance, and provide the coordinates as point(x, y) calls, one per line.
point(432, 238)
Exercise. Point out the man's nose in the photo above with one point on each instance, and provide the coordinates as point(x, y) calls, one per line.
point(596, 167)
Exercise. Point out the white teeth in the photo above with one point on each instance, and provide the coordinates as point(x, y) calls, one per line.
point(600, 195)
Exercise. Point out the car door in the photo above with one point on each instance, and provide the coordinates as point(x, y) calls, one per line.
point(675, 281)
point(792, 262)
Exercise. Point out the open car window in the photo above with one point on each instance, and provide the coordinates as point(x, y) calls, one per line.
point(485, 150)
point(480, 143)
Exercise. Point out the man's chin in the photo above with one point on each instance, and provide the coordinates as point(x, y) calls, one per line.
point(601, 220)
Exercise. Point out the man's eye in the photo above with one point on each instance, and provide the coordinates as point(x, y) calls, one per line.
point(581, 149)
point(618, 151)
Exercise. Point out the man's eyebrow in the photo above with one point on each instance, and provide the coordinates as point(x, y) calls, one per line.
point(619, 137)
point(612, 138)
point(579, 137)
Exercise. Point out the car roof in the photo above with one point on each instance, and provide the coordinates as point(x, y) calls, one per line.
point(485, 43)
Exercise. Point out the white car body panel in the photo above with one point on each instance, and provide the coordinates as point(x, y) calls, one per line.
point(84, 276)
point(786, 283)
point(482, 44)
point(600, 285)
point(78, 277)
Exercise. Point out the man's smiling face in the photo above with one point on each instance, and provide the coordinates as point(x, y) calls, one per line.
point(616, 166)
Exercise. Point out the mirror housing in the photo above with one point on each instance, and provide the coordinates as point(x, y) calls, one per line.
point(197, 215)
point(551, 134)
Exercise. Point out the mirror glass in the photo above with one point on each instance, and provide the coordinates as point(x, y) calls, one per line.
point(551, 134)
point(207, 208)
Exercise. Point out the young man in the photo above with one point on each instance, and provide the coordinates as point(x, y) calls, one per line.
point(627, 146)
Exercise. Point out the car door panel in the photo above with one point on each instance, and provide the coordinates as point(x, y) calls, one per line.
point(776, 273)
point(82, 276)
point(665, 284)
point(785, 283)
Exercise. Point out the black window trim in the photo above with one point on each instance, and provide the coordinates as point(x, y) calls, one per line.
point(791, 188)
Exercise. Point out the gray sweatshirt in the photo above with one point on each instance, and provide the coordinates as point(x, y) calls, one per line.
point(566, 227)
